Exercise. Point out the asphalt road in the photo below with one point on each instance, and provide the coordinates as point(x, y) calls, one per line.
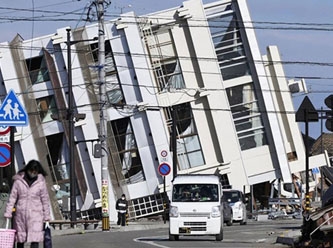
point(254, 234)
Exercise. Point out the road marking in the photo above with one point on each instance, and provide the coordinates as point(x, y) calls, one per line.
point(150, 241)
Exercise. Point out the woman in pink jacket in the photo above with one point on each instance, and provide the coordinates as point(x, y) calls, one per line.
point(30, 197)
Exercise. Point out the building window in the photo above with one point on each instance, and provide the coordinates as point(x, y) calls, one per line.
point(246, 115)
point(132, 169)
point(109, 63)
point(113, 90)
point(189, 152)
point(58, 167)
point(38, 71)
point(164, 59)
point(228, 44)
point(46, 107)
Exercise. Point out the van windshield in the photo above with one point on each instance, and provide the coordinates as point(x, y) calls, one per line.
point(232, 196)
point(195, 193)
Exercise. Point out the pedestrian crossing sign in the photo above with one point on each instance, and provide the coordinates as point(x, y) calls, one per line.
point(12, 112)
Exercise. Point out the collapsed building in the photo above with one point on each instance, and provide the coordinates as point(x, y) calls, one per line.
point(195, 68)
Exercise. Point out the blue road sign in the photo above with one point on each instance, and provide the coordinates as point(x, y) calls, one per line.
point(164, 169)
point(12, 112)
point(315, 170)
point(5, 158)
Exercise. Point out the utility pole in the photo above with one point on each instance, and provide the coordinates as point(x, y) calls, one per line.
point(70, 118)
point(103, 116)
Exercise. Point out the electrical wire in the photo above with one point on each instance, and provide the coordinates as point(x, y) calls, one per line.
point(322, 27)
point(292, 26)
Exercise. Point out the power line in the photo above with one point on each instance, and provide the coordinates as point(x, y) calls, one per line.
point(83, 51)
point(300, 26)
point(86, 84)
point(282, 62)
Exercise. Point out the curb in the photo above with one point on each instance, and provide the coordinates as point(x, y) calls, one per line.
point(135, 226)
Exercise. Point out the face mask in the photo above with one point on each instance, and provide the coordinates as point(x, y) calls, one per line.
point(32, 175)
point(123, 198)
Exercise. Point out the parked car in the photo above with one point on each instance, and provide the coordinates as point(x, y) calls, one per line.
point(227, 212)
point(237, 202)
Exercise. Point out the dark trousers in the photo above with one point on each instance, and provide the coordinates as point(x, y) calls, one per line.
point(33, 245)
point(121, 219)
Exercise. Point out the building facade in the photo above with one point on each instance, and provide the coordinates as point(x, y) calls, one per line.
point(192, 75)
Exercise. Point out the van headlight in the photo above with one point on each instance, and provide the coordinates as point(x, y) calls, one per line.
point(173, 211)
point(216, 211)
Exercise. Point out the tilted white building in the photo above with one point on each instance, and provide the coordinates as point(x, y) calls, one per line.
point(201, 64)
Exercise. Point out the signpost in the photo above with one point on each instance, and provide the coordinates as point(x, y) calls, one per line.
point(306, 113)
point(164, 169)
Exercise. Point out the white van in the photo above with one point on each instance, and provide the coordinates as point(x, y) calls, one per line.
point(237, 202)
point(196, 206)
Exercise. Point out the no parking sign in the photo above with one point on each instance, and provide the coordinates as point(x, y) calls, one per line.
point(164, 169)
point(4, 155)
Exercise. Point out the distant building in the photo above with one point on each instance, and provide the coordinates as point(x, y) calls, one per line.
point(200, 64)
point(322, 144)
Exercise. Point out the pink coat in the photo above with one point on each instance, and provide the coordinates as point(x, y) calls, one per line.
point(32, 208)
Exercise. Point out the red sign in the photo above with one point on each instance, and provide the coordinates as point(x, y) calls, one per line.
point(4, 130)
point(164, 153)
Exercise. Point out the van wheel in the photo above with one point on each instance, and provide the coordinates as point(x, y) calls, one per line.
point(173, 237)
point(219, 237)
point(242, 222)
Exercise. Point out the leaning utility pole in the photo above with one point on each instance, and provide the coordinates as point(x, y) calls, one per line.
point(103, 116)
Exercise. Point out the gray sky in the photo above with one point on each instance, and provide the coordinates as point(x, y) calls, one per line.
point(302, 30)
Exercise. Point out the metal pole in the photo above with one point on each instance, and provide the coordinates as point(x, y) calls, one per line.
point(165, 201)
point(12, 156)
point(70, 118)
point(174, 142)
point(103, 117)
point(305, 227)
point(307, 196)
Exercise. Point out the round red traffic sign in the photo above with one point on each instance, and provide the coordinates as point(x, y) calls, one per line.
point(5, 158)
point(4, 130)
point(164, 153)
point(164, 169)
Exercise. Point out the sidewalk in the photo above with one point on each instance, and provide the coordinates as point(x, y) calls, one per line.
point(142, 224)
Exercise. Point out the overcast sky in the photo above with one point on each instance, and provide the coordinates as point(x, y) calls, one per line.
point(302, 30)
